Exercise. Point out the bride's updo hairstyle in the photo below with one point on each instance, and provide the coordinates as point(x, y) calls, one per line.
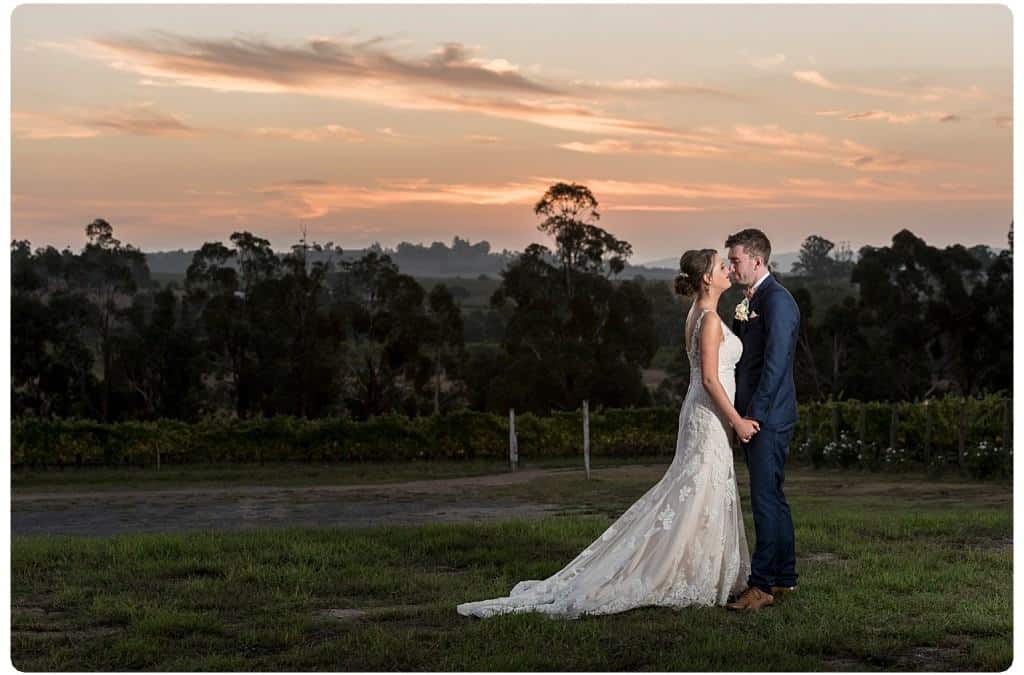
point(693, 265)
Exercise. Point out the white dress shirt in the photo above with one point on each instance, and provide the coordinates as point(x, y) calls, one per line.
point(753, 288)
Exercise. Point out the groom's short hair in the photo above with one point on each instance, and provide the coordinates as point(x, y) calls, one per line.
point(753, 241)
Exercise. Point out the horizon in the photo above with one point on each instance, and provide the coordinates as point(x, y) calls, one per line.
point(687, 122)
point(494, 251)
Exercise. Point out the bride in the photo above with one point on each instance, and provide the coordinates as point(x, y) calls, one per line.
point(683, 542)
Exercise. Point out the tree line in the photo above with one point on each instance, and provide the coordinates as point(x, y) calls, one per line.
point(314, 333)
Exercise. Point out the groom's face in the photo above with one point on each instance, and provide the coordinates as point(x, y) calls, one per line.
point(743, 268)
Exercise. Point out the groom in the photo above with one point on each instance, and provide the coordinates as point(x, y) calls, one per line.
point(767, 322)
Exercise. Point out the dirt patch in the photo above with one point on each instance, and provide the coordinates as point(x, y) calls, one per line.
point(819, 557)
point(999, 544)
point(868, 485)
point(434, 486)
point(59, 633)
point(308, 508)
point(912, 659)
point(345, 614)
point(931, 659)
point(464, 499)
point(844, 664)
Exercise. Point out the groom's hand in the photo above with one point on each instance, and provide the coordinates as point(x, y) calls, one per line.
point(746, 428)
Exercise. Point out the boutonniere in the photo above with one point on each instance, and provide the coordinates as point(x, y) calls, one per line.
point(743, 310)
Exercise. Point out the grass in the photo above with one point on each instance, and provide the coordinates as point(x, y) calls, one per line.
point(896, 574)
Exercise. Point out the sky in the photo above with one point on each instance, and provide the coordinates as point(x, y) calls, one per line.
point(180, 124)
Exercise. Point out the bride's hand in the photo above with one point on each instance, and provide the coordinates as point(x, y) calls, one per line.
point(746, 429)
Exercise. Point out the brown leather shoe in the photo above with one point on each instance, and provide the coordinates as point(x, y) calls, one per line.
point(779, 591)
point(752, 600)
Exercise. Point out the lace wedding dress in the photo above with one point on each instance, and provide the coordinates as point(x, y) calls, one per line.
point(682, 543)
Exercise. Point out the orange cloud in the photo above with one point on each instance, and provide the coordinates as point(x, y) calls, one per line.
point(768, 62)
point(611, 146)
point(450, 79)
point(254, 64)
point(917, 92)
point(137, 120)
point(313, 199)
point(481, 139)
point(327, 132)
point(890, 117)
point(652, 86)
point(765, 143)
point(144, 120)
point(195, 209)
point(41, 126)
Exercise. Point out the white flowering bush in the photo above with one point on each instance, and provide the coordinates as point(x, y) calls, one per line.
point(807, 451)
point(845, 452)
point(985, 459)
point(895, 457)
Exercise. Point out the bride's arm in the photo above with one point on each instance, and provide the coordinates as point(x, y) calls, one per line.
point(710, 341)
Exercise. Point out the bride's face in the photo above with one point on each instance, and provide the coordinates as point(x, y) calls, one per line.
point(720, 278)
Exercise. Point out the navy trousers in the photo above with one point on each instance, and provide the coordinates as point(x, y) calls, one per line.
point(774, 560)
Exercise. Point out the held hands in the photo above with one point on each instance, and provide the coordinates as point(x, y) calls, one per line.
point(746, 428)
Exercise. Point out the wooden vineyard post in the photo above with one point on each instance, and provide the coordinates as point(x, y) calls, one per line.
point(1007, 446)
point(586, 438)
point(810, 434)
point(894, 423)
point(927, 433)
point(513, 448)
point(894, 428)
point(961, 437)
point(835, 423)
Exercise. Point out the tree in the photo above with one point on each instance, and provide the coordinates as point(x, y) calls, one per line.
point(444, 337)
point(213, 295)
point(309, 332)
point(232, 291)
point(813, 258)
point(805, 357)
point(385, 325)
point(256, 260)
point(109, 273)
point(571, 332)
point(570, 211)
point(929, 309)
point(101, 235)
point(160, 357)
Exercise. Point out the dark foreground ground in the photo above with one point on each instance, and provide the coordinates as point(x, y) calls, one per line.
point(360, 569)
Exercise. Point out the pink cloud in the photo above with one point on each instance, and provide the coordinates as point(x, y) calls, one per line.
point(914, 91)
point(766, 143)
point(890, 117)
point(450, 79)
point(136, 120)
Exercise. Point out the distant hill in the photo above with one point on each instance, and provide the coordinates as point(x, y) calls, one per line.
point(437, 261)
point(780, 262)
point(468, 261)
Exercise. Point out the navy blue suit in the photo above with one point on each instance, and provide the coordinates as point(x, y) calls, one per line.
point(765, 392)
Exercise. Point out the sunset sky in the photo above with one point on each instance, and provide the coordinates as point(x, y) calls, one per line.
point(181, 124)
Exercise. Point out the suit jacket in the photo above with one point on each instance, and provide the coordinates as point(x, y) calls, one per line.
point(764, 374)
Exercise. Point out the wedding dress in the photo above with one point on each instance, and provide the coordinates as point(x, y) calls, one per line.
point(682, 543)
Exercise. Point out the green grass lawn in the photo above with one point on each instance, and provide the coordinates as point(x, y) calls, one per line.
point(896, 574)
